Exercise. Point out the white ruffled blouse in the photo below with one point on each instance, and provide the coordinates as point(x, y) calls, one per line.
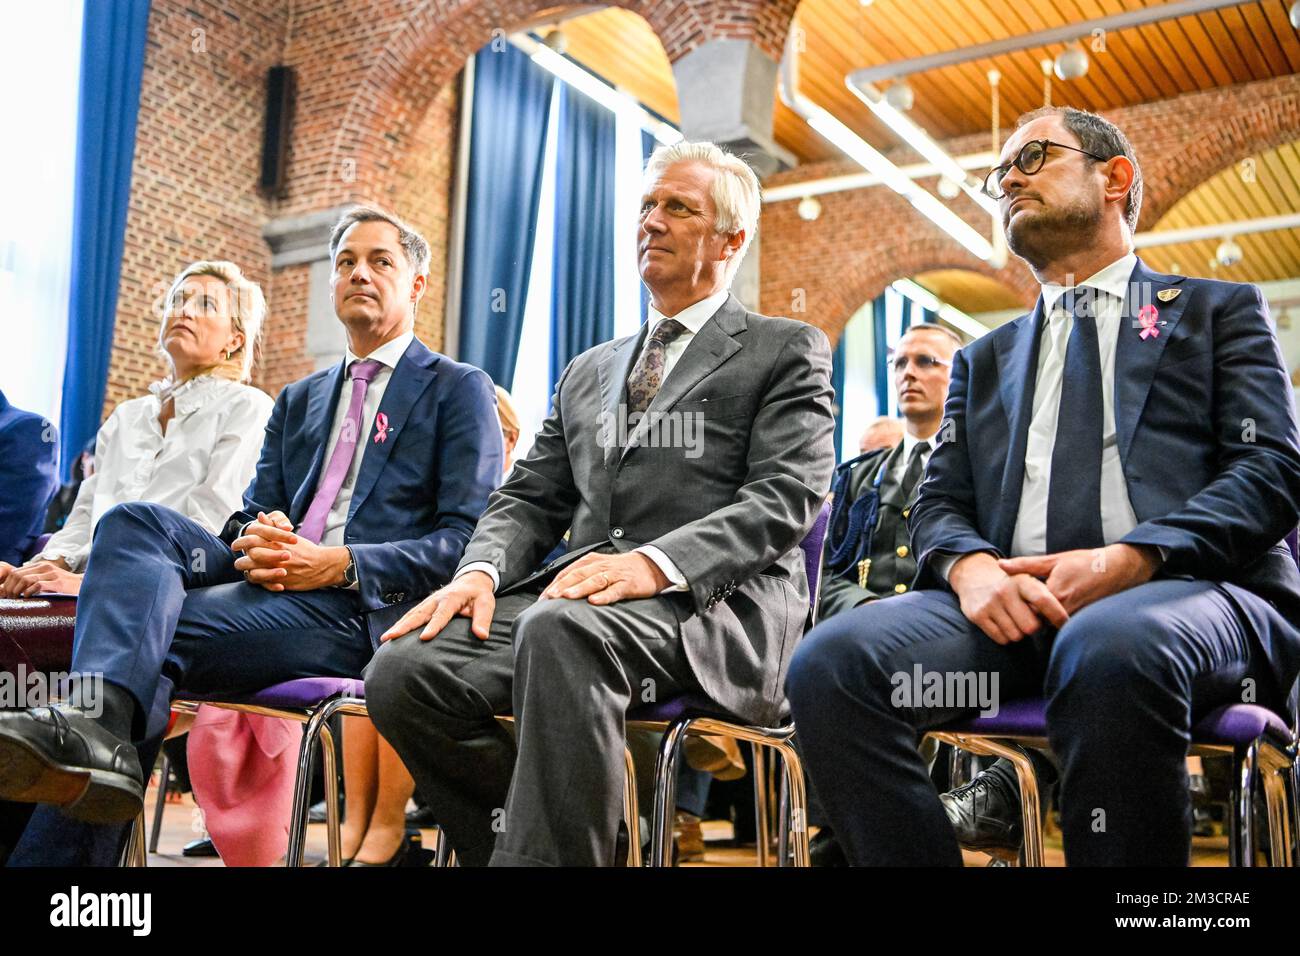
point(199, 468)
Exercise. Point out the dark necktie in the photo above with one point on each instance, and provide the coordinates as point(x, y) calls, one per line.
point(327, 492)
point(915, 468)
point(648, 374)
point(1074, 488)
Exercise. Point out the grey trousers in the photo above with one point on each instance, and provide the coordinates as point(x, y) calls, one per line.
point(568, 671)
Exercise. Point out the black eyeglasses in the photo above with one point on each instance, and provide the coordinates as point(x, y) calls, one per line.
point(923, 363)
point(1029, 160)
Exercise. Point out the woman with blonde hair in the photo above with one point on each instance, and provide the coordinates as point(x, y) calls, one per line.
point(191, 444)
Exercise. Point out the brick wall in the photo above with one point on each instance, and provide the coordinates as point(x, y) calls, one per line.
point(376, 121)
point(197, 154)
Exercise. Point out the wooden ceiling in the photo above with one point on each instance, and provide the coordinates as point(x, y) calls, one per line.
point(972, 292)
point(1232, 45)
point(1266, 185)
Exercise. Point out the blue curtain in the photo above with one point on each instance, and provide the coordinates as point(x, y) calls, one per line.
point(582, 297)
point(512, 97)
point(648, 144)
point(112, 63)
point(880, 345)
point(838, 361)
point(929, 317)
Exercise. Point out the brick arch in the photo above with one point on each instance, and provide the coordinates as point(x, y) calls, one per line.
point(427, 44)
point(836, 287)
point(1178, 156)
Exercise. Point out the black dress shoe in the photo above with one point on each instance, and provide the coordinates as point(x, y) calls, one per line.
point(421, 818)
point(60, 756)
point(200, 847)
point(985, 815)
point(409, 853)
point(825, 850)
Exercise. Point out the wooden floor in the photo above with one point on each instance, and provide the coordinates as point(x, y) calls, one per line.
point(181, 816)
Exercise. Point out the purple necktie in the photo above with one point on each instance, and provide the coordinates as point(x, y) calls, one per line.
point(327, 492)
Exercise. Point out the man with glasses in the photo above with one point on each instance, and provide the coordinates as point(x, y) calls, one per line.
point(1103, 529)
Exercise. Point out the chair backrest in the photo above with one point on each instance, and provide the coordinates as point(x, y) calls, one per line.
point(812, 545)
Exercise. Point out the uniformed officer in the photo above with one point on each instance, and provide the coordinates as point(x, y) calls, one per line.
point(868, 553)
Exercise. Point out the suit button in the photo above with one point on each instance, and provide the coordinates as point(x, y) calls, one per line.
point(900, 588)
point(617, 532)
point(901, 551)
point(906, 512)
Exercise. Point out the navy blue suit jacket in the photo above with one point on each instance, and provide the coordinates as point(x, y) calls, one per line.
point(418, 494)
point(29, 477)
point(1206, 432)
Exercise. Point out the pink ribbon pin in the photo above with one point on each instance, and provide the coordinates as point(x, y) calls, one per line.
point(1147, 316)
point(381, 428)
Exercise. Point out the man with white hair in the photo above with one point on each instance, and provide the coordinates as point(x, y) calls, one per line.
point(688, 460)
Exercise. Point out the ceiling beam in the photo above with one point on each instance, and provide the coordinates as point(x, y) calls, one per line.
point(1028, 41)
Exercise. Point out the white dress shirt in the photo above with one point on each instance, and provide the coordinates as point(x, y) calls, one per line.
point(693, 318)
point(200, 468)
point(910, 441)
point(388, 355)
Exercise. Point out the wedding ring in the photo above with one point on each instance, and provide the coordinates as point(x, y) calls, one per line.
point(604, 577)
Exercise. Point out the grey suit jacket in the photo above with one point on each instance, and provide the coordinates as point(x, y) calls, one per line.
point(728, 505)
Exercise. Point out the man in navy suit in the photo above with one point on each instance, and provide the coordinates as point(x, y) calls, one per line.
point(372, 476)
point(1102, 525)
point(28, 456)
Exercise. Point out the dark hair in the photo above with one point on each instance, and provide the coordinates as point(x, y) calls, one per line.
point(1103, 138)
point(413, 244)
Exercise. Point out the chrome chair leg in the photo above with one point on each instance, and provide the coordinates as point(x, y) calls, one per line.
point(661, 827)
point(783, 813)
point(334, 839)
point(959, 762)
point(317, 729)
point(760, 805)
point(133, 851)
point(442, 852)
point(1275, 767)
point(631, 812)
point(1241, 827)
point(795, 795)
point(159, 804)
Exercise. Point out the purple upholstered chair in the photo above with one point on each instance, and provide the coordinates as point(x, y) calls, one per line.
point(689, 715)
point(1263, 749)
point(314, 700)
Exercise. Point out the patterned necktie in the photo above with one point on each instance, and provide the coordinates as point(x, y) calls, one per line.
point(327, 492)
point(1074, 488)
point(648, 374)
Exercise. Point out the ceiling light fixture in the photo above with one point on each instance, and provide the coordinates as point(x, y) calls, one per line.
point(1071, 63)
point(810, 208)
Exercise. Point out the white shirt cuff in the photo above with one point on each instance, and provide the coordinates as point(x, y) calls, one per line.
point(665, 565)
point(483, 566)
point(944, 563)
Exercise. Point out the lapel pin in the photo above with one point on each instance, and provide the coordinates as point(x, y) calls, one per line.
point(1147, 316)
point(381, 428)
point(1168, 295)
